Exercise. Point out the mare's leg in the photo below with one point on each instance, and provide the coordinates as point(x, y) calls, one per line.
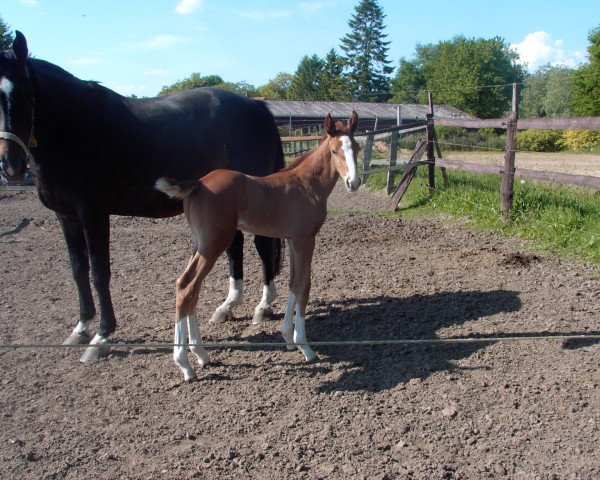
point(300, 289)
point(235, 255)
point(96, 228)
point(269, 250)
point(187, 292)
point(80, 267)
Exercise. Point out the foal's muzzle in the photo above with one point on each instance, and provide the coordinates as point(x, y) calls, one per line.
point(352, 184)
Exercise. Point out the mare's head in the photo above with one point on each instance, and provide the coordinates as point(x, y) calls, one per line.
point(344, 149)
point(16, 111)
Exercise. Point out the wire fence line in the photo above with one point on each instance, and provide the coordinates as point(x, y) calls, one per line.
point(326, 343)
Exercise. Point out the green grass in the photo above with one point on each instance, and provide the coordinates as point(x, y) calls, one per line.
point(561, 219)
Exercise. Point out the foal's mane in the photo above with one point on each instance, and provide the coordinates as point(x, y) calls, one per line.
point(297, 161)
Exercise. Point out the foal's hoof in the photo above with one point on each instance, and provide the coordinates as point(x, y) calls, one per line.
point(261, 314)
point(77, 339)
point(94, 352)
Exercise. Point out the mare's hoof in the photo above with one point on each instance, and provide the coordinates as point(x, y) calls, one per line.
point(94, 352)
point(261, 314)
point(77, 339)
point(220, 316)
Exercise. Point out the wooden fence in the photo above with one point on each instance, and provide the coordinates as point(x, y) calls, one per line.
point(430, 146)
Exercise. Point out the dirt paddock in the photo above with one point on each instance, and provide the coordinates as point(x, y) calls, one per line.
point(527, 409)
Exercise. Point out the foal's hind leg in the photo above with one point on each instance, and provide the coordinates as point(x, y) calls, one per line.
point(187, 291)
point(269, 250)
point(235, 255)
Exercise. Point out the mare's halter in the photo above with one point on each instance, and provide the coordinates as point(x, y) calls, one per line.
point(11, 136)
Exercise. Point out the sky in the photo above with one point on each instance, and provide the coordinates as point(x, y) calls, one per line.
point(139, 46)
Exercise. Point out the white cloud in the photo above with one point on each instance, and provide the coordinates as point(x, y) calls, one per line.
point(262, 15)
point(311, 8)
point(186, 7)
point(539, 48)
point(157, 72)
point(158, 42)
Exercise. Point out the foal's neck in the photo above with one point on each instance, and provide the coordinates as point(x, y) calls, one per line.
point(318, 171)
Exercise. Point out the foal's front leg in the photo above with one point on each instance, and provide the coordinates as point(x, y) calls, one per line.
point(301, 252)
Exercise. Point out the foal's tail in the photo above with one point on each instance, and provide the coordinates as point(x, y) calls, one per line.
point(174, 188)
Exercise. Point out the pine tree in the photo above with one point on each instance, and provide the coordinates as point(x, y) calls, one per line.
point(6, 39)
point(366, 53)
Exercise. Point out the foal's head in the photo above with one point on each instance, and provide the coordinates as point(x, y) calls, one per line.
point(344, 149)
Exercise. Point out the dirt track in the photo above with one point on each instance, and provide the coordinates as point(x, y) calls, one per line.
point(525, 409)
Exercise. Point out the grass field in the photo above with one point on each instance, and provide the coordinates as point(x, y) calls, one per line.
point(561, 219)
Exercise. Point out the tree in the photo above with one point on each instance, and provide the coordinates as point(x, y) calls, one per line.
point(334, 84)
point(547, 92)
point(409, 85)
point(586, 80)
point(306, 82)
point(6, 36)
point(469, 74)
point(277, 88)
point(366, 53)
point(195, 80)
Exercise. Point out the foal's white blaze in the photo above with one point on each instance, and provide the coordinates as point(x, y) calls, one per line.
point(352, 181)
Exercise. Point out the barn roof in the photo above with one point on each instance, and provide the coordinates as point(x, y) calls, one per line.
point(296, 108)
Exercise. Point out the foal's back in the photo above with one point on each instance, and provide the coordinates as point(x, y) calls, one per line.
point(278, 205)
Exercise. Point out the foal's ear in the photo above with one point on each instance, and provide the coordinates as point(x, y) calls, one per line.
point(353, 122)
point(19, 46)
point(330, 125)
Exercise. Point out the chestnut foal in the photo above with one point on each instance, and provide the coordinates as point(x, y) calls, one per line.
point(290, 204)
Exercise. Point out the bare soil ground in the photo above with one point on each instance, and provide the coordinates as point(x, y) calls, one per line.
point(526, 409)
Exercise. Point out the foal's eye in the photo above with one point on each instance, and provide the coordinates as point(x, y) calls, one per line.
point(335, 152)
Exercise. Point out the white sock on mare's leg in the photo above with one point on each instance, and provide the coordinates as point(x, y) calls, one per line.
point(264, 309)
point(234, 298)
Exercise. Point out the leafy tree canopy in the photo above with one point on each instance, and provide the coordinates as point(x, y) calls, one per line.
point(277, 88)
point(547, 92)
point(196, 80)
point(464, 73)
point(586, 80)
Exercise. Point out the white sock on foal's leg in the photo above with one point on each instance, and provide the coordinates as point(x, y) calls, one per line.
point(300, 337)
point(263, 309)
point(287, 327)
point(234, 298)
point(180, 349)
point(196, 341)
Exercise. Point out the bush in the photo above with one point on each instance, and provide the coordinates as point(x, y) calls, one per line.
point(539, 140)
point(580, 139)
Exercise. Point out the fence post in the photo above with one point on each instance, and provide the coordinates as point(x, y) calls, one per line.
point(367, 157)
point(393, 157)
point(430, 154)
point(508, 174)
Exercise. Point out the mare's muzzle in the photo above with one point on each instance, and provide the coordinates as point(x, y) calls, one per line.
point(13, 158)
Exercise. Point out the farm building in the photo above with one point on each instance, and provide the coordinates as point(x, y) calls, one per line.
point(306, 118)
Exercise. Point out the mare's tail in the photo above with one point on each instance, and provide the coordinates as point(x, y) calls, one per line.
point(174, 188)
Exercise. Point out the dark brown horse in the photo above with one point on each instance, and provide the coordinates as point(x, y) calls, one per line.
point(290, 204)
point(99, 154)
